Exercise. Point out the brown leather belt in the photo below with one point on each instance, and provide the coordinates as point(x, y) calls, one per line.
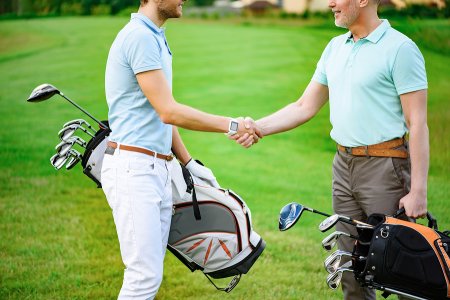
point(140, 150)
point(384, 149)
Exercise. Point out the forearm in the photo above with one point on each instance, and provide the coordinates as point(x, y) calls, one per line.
point(420, 155)
point(190, 118)
point(313, 99)
point(178, 147)
point(283, 120)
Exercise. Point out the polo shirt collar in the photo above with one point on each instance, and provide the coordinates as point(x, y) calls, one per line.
point(375, 35)
point(147, 22)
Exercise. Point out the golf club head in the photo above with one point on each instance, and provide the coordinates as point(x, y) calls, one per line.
point(66, 145)
point(328, 223)
point(334, 279)
point(80, 122)
point(289, 215)
point(74, 158)
point(330, 241)
point(67, 132)
point(58, 161)
point(333, 261)
point(43, 92)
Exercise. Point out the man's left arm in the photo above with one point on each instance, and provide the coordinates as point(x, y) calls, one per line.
point(196, 169)
point(414, 106)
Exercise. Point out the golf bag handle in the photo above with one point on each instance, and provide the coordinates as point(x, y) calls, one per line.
point(190, 188)
point(432, 222)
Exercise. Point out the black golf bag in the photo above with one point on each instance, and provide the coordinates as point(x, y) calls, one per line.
point(402, 257)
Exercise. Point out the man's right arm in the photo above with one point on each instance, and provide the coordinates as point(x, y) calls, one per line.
point(313, 99)
point(154, 86)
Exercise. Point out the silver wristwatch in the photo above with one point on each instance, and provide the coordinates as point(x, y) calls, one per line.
point(233, 127)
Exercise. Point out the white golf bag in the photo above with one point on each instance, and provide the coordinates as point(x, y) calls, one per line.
point(211, 228)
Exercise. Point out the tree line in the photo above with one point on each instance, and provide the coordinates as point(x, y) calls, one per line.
point(72, 7)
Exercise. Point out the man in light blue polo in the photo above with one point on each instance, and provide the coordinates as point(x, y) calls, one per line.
point(374, 78)
point(143, 116)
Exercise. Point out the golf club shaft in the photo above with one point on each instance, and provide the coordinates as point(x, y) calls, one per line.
point(317, 212)
point(83, 110)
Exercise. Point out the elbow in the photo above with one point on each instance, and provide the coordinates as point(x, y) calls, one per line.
point(169, 115)
point(167, 118)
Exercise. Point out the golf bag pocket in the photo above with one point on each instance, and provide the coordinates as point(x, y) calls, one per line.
point(93, 155)
point(211, 229)
point(408, 257)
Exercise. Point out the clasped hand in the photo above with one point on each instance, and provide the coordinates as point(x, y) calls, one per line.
point(249, 133)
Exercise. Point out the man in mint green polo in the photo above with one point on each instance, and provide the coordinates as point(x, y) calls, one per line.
point(374, 78)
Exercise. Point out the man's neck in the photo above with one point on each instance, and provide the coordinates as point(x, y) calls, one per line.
point(364, 25)
point(151, 12)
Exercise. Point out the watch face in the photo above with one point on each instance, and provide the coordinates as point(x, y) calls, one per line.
point(234, 126)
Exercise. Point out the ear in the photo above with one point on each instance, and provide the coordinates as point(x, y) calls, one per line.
point(363, 3)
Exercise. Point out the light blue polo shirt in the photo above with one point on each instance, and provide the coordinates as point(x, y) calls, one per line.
point(365, 80)
point(140, 46)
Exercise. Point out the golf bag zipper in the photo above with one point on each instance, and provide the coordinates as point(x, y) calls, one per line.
point(445, 262)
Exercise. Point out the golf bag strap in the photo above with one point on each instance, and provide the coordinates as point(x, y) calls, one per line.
point(191, 265)
point(191, 189)
point(87, 172)
point(386, 294)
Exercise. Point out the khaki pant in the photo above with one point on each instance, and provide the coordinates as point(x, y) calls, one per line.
point(363, 186)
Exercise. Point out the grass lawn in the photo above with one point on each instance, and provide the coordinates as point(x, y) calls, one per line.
point(57, 235)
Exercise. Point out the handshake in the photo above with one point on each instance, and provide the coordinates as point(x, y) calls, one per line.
point(248, 133)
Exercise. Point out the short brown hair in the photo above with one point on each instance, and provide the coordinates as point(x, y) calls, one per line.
point(143, 2)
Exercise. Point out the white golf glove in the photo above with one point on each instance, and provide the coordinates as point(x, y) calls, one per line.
point(202, 172)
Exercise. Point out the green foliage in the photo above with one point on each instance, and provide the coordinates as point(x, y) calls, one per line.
point(415, 11)
point(126, 12)
point(101, 9)
point(71, 9)
point(57, 234)
point(203, 2)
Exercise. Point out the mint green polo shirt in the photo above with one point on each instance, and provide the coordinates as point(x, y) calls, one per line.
point(365, 80)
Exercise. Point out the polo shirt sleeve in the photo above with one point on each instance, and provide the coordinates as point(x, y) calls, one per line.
point(320, 74)
point(408, 72)
point(142, 51)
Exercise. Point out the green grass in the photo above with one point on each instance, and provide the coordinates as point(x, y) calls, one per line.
point(57, 235)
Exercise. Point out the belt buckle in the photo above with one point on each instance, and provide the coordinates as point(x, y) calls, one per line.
point(348, 150)
point(110, 150)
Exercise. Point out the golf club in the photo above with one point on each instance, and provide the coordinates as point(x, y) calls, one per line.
point(74, 158)
point(330, 241)
point(46, 91)
point(80, 122)
point(58, 161)
point(334, 279)
point(329, 222)
point(290, 214)
point(66, 132)
point(333, 261)
point(64, 147)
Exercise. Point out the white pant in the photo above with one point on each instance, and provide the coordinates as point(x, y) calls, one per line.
point(138, 189)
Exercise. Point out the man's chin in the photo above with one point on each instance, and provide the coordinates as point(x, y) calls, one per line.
point(340, 25)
